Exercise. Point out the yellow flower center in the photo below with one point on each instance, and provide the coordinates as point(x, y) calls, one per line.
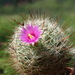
point(30, 36)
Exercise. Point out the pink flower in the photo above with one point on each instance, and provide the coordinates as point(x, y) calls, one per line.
point(30, 34)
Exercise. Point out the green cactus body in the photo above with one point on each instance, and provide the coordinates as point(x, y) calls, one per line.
point(48, 56)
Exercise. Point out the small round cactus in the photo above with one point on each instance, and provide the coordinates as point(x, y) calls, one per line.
point(40, 46)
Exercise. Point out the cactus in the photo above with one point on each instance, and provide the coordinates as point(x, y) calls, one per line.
point(40, 46)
